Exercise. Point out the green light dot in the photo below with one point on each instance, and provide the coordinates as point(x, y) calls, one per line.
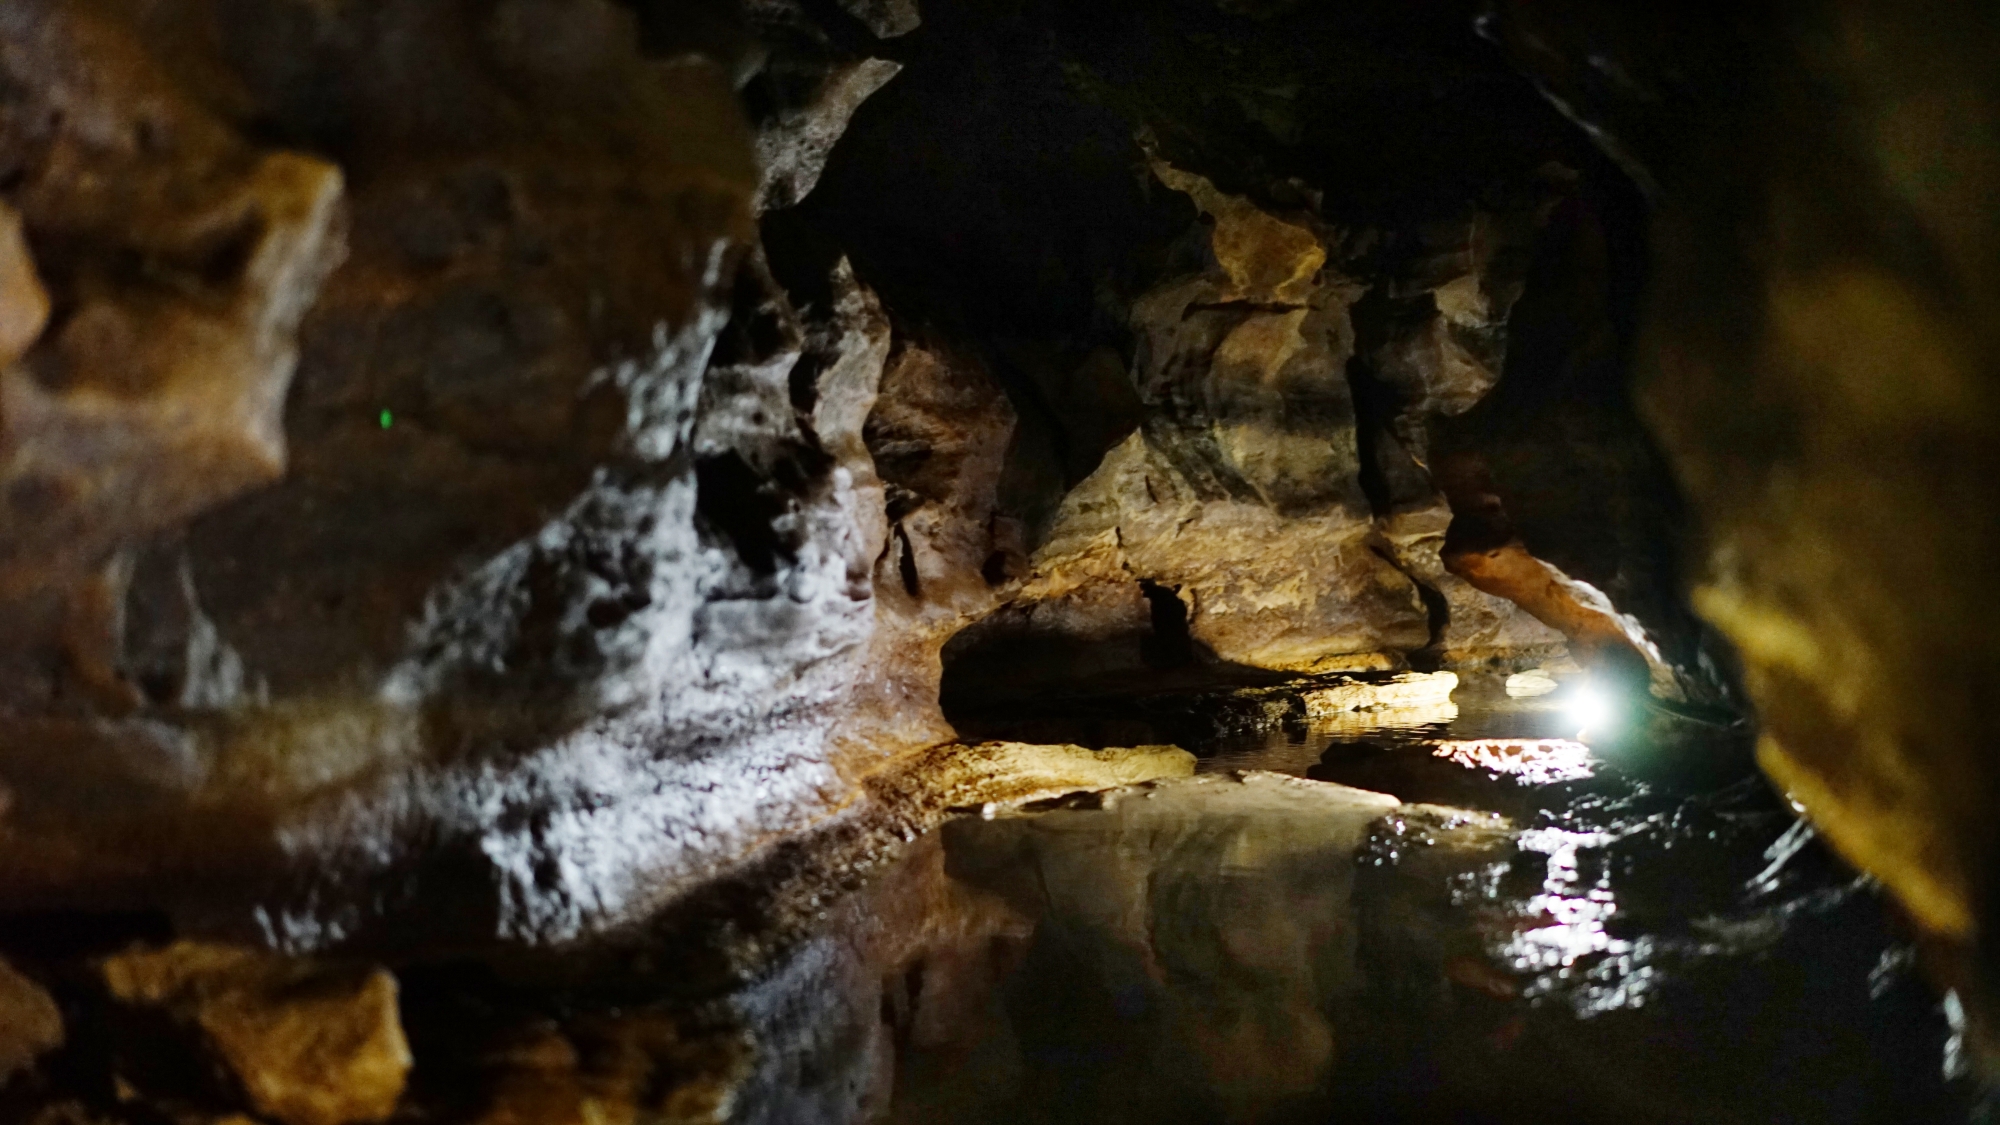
point(388, 419)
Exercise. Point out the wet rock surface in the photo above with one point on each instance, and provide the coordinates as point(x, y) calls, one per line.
point(582, 535)
point(1540, 929)
point(560, 499)
point(308, 1044)
point(1476, 919)
point(30, 1024)
point(1803, 346)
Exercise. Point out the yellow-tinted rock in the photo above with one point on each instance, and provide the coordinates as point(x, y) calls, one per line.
point(1265, 257)
point(1298, 592)
point(1011, 773)
point(24, 304)
point(1412, 689)
point(311, 1043)
point(30, 1025)
point(160, 391)
point(639, 1068)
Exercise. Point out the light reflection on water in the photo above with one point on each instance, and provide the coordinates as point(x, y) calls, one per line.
point(1528, 761)
point(1543, 932)
point(1547, 935)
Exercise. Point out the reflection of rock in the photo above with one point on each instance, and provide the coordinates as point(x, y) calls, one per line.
point(310, 1044)
point(1213, 916)
point(624, 1068)
point(30, 1025)
point(909, 968)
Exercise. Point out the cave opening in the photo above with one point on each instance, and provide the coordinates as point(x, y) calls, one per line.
point(965, 561)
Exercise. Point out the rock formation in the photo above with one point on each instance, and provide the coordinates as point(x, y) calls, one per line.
point(30, 1024)
point(580, 535)
point(1241, 495)
point(309, 1044)
point(1819, 362)
point(487, 474)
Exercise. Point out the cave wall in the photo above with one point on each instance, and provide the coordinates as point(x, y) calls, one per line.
point(482, 469)
point(1819, 363)
point(549, 589)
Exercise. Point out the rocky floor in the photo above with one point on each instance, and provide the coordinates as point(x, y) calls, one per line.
point(1402, 900)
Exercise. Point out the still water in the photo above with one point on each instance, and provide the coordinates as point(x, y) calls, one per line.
point(1498, 922)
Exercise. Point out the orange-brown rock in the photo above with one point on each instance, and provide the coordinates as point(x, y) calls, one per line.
point(1481, 548)
point(937, 433)
point(1598, 633)
point(637, 1068)
point(181, 257)
point(309, 1043)
point(30, 1023)
point(24, 303)
point(537, 511)
point(1234, 526)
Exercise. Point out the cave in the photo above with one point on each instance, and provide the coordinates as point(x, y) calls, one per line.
point(945, 562)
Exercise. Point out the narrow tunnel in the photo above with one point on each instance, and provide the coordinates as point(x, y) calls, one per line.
point(601, 562)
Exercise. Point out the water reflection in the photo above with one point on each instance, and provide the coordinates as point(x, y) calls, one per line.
point(1512, 928)
point(1529, 761)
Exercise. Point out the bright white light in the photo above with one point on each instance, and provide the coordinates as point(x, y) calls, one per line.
point(1592, 708)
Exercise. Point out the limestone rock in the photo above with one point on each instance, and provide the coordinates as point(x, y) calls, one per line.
point(310, 1043)
point(557, 565)
point(1441, 341)
point(1411, 689)
point(1013, 773)
point(1581, 612)
point(808, 89)
point(793, 147)
point(886, 18)
point(1244, 367)
point(1241, 494)
point(1235, 526)
point(24, 303)
point(30, 1024)
point(1479, 627)
point(180, 258)
point(938, 433)
point(186, 392)
point(1265, 259)
point(1300, 593)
